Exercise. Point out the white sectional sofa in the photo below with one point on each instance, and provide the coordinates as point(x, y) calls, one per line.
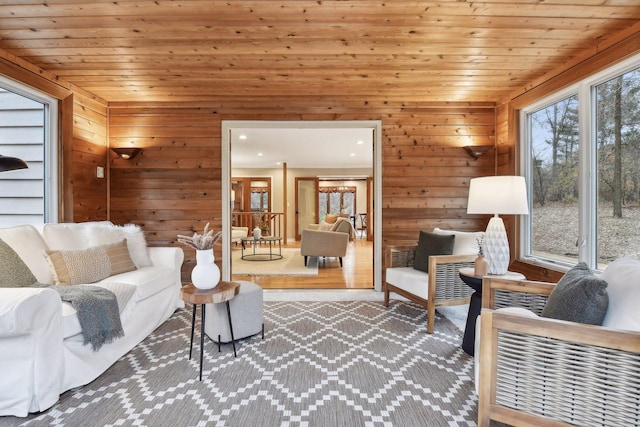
point(42, 353)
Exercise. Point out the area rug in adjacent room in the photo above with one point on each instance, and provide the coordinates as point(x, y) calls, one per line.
point(291, 264)
point(320, 364)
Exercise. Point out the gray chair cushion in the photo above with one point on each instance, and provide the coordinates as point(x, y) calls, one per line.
point(580, 296)
point(431, 244)
point(14, 273)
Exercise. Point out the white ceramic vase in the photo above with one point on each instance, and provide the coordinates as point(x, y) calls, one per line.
point(206, 274)
point(257, 233)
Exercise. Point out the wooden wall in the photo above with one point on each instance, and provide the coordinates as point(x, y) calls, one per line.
point(174, 185)
point(90, 150)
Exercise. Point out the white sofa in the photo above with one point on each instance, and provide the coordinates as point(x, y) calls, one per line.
point(41, 345)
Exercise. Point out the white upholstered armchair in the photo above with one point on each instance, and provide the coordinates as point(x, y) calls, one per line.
point(442, 285)
point(442, 288)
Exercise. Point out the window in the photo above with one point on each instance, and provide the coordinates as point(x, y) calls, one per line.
point(259, 199)
point(582, 165)
point(336, 201)
point(28, 131)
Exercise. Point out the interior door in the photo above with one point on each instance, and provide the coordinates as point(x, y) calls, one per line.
point(306, 203)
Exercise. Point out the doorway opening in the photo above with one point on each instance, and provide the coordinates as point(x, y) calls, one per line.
point(229, 128)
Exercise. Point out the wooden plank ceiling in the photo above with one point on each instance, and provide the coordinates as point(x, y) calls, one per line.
point(190, 50)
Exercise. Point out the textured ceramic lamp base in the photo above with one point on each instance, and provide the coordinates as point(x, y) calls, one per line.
point(496, 247)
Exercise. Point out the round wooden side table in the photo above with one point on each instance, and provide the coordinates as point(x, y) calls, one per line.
point(224, 292)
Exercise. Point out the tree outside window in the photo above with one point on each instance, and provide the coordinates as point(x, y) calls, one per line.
point(569, 223)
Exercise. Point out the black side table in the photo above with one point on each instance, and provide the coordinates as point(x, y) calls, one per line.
point(475, 305)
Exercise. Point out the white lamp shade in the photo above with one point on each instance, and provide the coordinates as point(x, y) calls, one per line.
point(498, 195)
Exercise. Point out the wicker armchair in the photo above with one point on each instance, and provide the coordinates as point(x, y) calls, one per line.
point(545, 372)
point(442, 286)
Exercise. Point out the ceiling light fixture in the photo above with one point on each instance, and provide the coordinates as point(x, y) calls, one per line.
point(127, 153)
point(259, 154)
point(242, 137)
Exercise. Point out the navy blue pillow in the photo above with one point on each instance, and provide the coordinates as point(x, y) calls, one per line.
point(431, 244)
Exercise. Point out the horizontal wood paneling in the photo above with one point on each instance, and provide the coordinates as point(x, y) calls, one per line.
point(90, 194)
point(172, 71)
point(174, 187)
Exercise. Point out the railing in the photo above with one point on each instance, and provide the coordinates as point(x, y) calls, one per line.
point(269, 222)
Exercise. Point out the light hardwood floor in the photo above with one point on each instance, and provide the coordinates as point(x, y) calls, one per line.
point(355, 273)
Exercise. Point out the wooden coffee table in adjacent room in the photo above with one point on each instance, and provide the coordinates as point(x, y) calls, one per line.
point(224, 292)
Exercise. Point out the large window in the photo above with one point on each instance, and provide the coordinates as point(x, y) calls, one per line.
point(336, 201)
point(582, 164)
point(28, 131)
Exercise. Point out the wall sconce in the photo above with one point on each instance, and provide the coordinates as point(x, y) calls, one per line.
point(476, 151)
point(11, 164)
point(127, 153)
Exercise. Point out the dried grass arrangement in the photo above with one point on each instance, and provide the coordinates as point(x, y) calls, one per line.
point(206, 240)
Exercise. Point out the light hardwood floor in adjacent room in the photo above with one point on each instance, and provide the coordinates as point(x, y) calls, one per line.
point(355, 273)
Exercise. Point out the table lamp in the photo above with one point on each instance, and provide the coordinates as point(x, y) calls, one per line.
point(496, 195)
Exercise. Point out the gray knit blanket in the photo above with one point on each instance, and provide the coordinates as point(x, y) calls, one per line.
point(98, 313)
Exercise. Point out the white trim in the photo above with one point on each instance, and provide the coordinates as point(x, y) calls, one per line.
point(51, 156)
point(587, 169)
point(375, 125)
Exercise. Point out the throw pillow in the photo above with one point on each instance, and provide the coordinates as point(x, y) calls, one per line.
point(580, 296)
point(14, 273)
point(89, 265)
point(325, 226)
point(623, 278)
point(330, 219)
point(101, 233)
point(431, 244)
point(137, 245)
point(466, 241)
point(62, 237)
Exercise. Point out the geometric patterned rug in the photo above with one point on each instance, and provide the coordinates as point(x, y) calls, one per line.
point(347, 363)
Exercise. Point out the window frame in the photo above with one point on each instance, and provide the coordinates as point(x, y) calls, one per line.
point(51, 154)
point(585, 90)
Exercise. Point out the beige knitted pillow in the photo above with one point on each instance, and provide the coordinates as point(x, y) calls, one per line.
point(89, 265)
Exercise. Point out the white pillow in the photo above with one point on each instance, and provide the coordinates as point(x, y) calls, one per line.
point(101, 234)
point(137, 245)
point(623, 280)
point(29, 245)
point(60, 237)
point(465, 243)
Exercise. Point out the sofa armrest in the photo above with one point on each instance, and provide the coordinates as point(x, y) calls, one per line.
point(31, 346)
point(165, 256)
point(22, 309)
point(539, 371)
point(445, 283)
point(399, 256)
point(500, 293)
